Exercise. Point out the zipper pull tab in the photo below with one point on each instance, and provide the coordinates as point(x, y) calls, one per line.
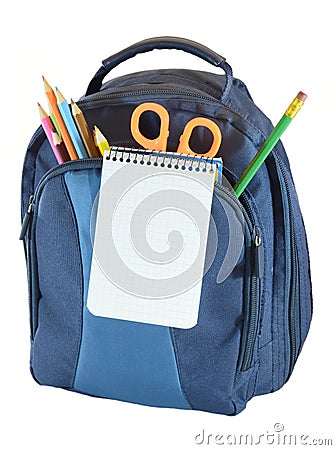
point(27, 218)
point(258, 266)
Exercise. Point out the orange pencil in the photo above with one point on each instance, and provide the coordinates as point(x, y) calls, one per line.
point(58, 117)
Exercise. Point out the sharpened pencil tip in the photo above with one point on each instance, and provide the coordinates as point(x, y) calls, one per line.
point(42, 112)
point(74, 108)
point(60, 97)
point(47, 86)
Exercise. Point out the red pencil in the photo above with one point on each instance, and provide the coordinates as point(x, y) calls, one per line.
point(60, 147)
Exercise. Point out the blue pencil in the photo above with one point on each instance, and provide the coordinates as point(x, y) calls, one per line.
point(70, 124)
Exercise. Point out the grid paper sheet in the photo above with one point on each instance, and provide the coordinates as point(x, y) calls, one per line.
point(150, 238)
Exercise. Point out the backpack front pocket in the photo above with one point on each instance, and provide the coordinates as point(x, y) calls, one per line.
point(155, 365)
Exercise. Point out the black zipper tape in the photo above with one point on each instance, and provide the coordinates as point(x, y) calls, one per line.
point(293, 306)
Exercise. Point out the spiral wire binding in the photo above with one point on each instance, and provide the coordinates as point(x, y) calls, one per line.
point(195, 160)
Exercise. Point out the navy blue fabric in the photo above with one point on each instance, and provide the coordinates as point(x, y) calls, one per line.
point(284, 293)
point(209, 377)
point(118, 359)
point(56, 343)
point(304, 298)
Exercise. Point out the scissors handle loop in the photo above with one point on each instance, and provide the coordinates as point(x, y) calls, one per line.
point(184, 146)
point(160, 142)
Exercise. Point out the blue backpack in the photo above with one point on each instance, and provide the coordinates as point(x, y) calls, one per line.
point(251, 325)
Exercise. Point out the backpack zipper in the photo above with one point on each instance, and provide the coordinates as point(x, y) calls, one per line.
point(24, 229)
point(27, 218)
point(253, 308)
point(252, 290)
point(27, 229)
point(101, 97)
point(294, 278)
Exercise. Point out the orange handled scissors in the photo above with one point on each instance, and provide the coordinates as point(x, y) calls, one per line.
point(160, 143)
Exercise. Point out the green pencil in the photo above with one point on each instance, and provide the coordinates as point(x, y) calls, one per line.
point(52, 118)
point(269, 144)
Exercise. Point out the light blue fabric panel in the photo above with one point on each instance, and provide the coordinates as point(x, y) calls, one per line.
point(118, 359)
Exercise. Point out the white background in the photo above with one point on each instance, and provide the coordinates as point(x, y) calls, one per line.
point(277, 48)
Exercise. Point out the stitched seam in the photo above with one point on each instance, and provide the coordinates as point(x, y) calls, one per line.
point(73, 215)
point(179, 371)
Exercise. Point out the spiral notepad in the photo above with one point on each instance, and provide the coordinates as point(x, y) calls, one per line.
point(150, 237)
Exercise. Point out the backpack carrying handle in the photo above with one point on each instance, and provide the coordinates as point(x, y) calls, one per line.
point(158, 43)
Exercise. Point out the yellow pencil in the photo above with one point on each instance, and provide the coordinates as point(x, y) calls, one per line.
point(84, 131)
point(100, 141)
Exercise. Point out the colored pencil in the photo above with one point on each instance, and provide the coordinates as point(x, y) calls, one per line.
point(270, 143)
point(49, 129)
point(53, 120)
point(100, 140)
point(84, 131)
point(58, 117)
point(70, 124)
point(59, 145)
